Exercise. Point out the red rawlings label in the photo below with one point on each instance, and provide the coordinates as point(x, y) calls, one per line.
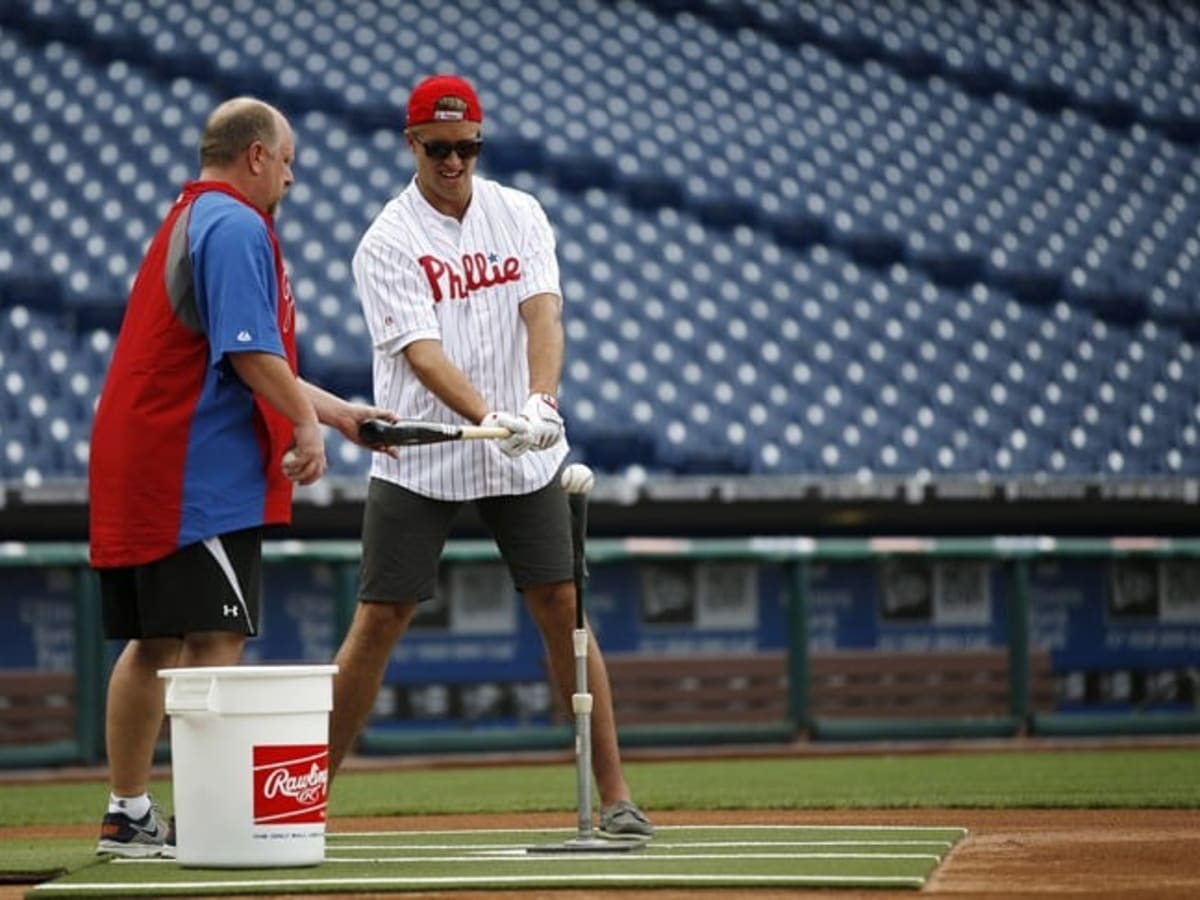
point(291, 783)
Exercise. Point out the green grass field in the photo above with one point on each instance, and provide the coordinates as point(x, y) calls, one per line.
point(1150, 778)
point(1066, 779)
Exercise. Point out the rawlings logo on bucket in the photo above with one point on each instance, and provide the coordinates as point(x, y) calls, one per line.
point(291, 782)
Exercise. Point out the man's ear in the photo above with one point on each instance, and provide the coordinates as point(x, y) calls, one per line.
point(256, 156)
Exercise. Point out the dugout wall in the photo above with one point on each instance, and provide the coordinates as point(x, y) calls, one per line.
point(717, 641)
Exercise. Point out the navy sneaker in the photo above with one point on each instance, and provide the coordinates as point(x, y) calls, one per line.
point(121, 835)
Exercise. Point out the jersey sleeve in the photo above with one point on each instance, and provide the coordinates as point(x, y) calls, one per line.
point(540, 263)
point(238, 296)
point(394, 294)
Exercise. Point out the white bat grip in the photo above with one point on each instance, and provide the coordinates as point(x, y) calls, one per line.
point(484, 432)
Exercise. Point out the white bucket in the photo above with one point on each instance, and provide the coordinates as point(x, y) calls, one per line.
point(250, 763)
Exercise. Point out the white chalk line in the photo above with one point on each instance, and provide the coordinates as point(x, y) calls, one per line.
point(523, 855)
point(653, 844)
point(659, 829)
point(566, 857)
point(574, 878)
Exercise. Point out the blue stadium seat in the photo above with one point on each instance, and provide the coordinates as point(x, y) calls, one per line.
point(819, 238)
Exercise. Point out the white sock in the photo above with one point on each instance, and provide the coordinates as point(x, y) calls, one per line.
point(134, 807)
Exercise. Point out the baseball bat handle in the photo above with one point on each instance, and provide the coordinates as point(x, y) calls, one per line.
point(377, 432)
point(484, 432)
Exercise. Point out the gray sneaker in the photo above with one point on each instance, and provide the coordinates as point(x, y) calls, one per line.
point(169, 848)
point(121, 835)
point(623, 821)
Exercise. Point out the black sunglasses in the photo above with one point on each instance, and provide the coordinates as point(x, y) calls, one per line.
point(442, 149)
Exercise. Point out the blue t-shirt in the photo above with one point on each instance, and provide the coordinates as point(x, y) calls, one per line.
point(233, 268)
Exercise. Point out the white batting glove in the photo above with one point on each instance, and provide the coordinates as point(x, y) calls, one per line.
point(545, 424)
point(518, 440)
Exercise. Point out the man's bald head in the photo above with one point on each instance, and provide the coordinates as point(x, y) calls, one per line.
point(234, 126)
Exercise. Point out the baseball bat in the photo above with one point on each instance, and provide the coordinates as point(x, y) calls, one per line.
point(408, 433)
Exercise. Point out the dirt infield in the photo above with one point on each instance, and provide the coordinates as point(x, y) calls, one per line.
point(1119, 854)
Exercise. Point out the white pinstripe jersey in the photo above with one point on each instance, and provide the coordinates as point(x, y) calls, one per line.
point(421, 274)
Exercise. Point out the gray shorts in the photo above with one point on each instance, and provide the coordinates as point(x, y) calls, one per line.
point(404, 534)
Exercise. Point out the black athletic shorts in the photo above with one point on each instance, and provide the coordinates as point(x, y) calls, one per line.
point(214, 585)
point(404, 534)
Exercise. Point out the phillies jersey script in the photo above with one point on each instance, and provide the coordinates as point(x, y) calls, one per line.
point(424, 275)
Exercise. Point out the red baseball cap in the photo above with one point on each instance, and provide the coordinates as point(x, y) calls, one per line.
point(425, 96)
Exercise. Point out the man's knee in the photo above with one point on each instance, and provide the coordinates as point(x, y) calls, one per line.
point(552, 605)
point(212, 648)
point(153, 653)
point(381, 623)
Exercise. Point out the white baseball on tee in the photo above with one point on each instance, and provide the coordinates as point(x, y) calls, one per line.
point(424, 275)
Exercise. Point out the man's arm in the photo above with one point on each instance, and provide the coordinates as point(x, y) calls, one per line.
point(345, 416)
point(542, 315)
point(269, 376)
point(445, 380)
point(450, 384)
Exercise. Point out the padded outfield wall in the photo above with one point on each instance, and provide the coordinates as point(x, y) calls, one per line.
point(1118, 619)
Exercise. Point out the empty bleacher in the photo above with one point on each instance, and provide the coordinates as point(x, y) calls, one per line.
point(812, 238)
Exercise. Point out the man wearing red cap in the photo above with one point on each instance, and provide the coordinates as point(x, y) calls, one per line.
point(460, 289)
